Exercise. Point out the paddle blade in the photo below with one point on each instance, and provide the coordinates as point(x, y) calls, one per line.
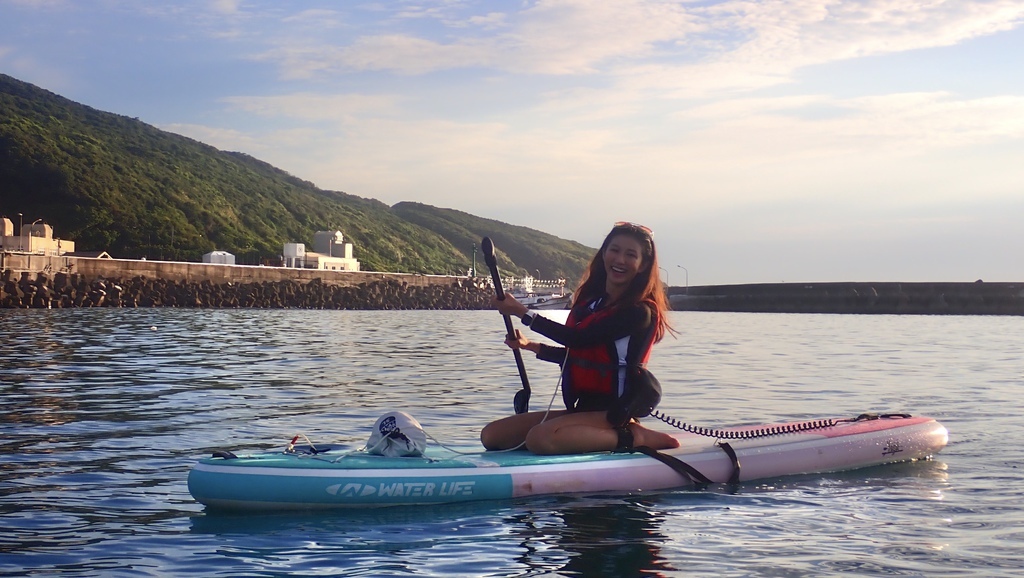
point(488, 248)
point(521, 402)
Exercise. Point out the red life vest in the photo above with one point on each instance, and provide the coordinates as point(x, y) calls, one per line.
point(601, 368)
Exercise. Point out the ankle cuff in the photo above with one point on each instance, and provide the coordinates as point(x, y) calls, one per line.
point(625, 439)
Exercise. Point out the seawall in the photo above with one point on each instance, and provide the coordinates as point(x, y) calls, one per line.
point(862, 298)
point(181, 271)
point(58, 282)
point(41, 281)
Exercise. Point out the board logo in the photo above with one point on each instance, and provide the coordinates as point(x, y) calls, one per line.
point(892, 447)
point(403, 489)
point(351, 490)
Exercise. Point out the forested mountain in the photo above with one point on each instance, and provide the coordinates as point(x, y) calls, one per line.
point(541, 255)
point(114, 183)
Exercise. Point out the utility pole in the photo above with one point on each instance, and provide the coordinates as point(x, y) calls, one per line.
point(474, 260)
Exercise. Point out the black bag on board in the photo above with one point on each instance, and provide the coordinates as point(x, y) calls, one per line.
point(643, 393)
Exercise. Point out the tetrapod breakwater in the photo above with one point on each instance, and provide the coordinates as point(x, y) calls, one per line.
point(72, 290)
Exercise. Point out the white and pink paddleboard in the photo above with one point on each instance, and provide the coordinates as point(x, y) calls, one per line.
point(330, 477)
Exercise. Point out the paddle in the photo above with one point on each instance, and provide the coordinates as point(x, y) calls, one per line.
point(521, 402)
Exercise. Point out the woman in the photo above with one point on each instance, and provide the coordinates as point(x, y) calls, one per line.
point(618, 313)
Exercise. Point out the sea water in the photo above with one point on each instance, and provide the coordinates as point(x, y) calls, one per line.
point(103, 412)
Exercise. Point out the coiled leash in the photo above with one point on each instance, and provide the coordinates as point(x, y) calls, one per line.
point(701, 481)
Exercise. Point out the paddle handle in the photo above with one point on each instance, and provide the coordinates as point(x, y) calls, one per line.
point(488, 249)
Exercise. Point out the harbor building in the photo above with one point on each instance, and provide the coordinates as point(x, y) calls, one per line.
point(35, 238)
point(219, 258)
point(330, 253)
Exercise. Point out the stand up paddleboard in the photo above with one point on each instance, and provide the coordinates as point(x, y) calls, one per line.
point(323, 477)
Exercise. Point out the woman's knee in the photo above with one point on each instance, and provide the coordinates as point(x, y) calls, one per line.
point(539, 445)
point(506, 432)
point(490, 437)
point(541, 440)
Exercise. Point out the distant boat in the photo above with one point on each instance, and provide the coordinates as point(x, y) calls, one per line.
point(544, 301)
point(553, 296)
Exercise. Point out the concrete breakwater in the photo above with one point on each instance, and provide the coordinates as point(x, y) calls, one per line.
point(864, 298)
point(41, 281)
point(68, 290)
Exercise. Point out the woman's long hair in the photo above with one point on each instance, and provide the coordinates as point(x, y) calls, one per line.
point(645, 287)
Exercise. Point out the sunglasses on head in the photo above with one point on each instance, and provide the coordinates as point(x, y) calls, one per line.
point(634, 227)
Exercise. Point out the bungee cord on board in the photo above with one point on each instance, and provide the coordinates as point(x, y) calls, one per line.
point(744, 434)
point(768, 431)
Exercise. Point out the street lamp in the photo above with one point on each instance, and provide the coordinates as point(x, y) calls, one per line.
point(30, 248)
point(687, 278)
point(664, 270)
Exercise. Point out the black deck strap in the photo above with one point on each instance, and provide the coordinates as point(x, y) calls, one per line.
point(625, 439)
point(682, 468)
point(874, 416)
point(735, 477)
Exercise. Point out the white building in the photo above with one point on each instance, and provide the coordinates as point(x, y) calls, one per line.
point(331, 253)
point(294, 255)
point(332, 244)
point(36, 238)
point(219, 258)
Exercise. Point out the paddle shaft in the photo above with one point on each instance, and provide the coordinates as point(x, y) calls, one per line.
point(492, 264)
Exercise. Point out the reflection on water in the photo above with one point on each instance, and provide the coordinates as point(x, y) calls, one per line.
point(620, 539)
point(588, 536)
point(103, 412)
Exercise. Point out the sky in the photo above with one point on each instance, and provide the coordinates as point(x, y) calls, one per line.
point(792, 141)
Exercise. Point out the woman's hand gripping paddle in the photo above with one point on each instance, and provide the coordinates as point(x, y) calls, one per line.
point(521, 402)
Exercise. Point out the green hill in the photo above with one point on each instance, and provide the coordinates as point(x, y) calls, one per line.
point(530, 250)
point(113, 183)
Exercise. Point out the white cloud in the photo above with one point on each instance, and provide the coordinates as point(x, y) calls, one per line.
point(314, 17)
point(399, 53)
point(41, 4)
point(489, 21)
point(810, 32)
point(577, 36)
point(904, 122)
point(408, 54)
point(551, 37)
point(225, 6)
point(926, 120)
point(318, 107)
point(222, 138)
point(752, 45)
point(689, 47)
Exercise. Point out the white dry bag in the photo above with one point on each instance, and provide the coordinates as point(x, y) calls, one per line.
point(397, 434)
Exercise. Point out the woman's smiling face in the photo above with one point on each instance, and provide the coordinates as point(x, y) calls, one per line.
point(623, 259)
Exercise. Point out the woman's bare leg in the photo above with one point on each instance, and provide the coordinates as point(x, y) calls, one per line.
point(589, 432)
point(511, 431)
point(656, 440)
